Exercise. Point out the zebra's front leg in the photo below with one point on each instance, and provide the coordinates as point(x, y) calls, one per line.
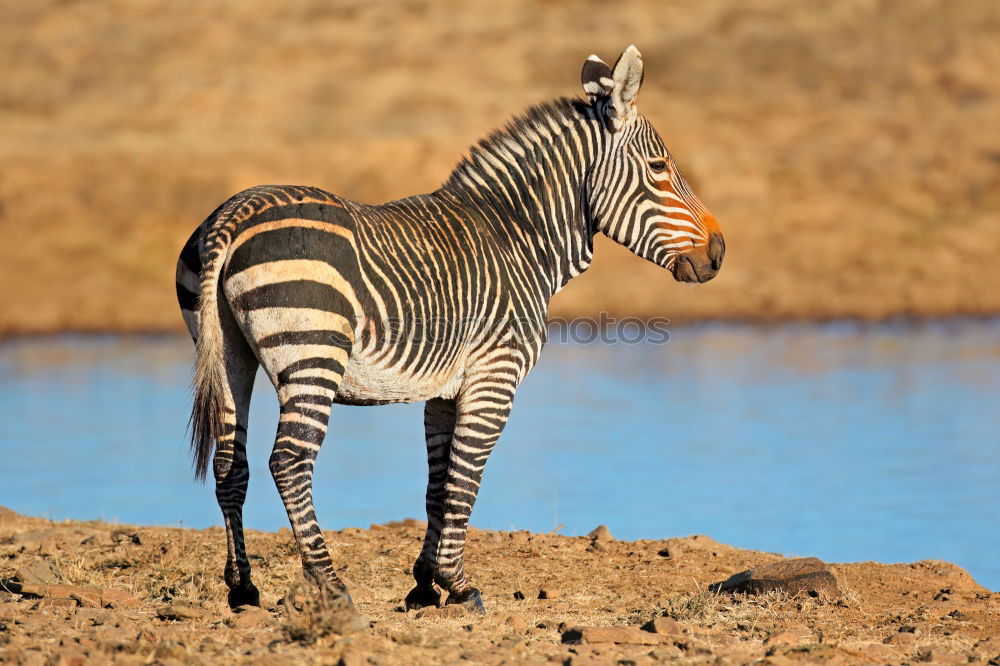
point(301, 429)
point(481, 413)
point(439, 426)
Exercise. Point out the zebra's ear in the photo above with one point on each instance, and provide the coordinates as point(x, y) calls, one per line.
point(596, 79)
point(627, 77)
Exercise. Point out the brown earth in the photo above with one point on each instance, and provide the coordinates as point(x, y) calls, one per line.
point(108, 593)
point(849, 149)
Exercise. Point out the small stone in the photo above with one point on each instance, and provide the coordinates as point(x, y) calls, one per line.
point(870, 651)
point(97, 539)
point(666, 653)
point(600, 533)
point(475, 656)
point(130, 538)
point(41, 572)
point(87, 598)
point(666, 626)
point(55, 602)
point(30, 589)
point(32, 539)
point(96, 616)
point(406, 523)
point(941, 656)
point(56, 591)
point(520, 538)
point(516, 622)
point(117, 599)
point(778, 660)
point(250, 617)
point(693, 647)
point(549, 593)
point(620, 635)
point(782, 638)
point(800, 575)
point(49, 547)
point(901, 638)
point(61, 591)
point(454, 610)
point(180, 610)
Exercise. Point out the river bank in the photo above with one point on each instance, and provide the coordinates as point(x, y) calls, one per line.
point(130, 594)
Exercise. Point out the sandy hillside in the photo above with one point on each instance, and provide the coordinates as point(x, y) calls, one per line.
point(850, 150)
point(108, 593)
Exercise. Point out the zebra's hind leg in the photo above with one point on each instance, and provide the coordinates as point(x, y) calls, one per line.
point(439, 427)
point(482, 410)
point(287, 286)
point(229, 465)
point(305, 412)
point(232, 474)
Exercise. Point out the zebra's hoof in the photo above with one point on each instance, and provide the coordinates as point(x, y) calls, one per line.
point(421, 597)
point(244, 595)
point(470, 598)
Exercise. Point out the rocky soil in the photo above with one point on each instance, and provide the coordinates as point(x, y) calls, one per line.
point(93, 592)
point(75, 593)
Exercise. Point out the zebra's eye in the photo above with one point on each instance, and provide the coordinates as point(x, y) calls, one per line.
point(658, 166)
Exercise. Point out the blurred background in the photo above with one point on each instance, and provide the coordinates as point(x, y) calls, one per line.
point(850, 150)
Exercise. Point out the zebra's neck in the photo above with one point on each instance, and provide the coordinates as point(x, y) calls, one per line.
point(530, 178)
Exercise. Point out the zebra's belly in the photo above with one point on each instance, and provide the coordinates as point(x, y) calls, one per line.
point(366, 382)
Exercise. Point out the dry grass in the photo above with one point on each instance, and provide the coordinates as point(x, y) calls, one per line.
point(850, 150)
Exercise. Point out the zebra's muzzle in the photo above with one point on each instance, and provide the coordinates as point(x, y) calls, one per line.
point(690, 269)
point(701, 266)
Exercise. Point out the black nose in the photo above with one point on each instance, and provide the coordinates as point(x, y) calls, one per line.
point(716, 250)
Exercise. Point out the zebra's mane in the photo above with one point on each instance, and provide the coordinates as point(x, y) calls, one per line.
point(497, 143)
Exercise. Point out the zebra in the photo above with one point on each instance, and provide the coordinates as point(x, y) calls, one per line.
point(439, 297)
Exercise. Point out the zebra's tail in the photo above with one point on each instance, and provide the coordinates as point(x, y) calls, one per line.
point(211, 385)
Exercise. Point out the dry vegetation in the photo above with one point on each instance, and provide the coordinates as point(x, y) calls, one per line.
point(851, 150)
point(898, 613)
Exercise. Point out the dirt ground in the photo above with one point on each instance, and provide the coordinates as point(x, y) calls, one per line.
point(155, 595)
point(849, 149)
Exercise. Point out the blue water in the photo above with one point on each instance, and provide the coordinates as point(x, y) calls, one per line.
point(843, 441)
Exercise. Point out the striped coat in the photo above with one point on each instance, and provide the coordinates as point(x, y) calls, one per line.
point(440, 298)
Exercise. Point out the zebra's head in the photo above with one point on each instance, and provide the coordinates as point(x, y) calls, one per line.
point(638, 196)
